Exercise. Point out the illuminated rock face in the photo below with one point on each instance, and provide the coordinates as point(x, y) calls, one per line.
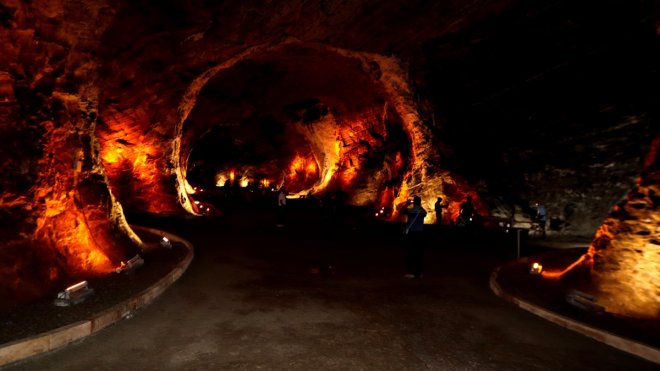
point(134, 160)
point(106, 101)
point(627, 249)
point(61, 220)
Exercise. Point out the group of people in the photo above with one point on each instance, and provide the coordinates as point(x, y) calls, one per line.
point(415, 213)
point(414, 244)
point(331, 205)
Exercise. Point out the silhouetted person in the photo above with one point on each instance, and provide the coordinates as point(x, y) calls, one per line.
point(467, 215)
point(281, 207)
point(227, 188)
point(438, 206)
point(313, 203)
point(541, 217)
point(414, 238)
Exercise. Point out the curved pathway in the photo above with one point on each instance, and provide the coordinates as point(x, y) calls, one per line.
point(250, 300)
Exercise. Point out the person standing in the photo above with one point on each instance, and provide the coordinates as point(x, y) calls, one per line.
point(467, 209)
point(541, 218)
point(281, 207)
point(438, 206)
point(414, 239)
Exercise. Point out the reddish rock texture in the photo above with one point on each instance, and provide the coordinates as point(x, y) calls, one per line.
point(105, 103)
point(54, 190)
point(627, 248)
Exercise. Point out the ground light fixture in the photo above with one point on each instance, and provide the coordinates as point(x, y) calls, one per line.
point(584, 301)
point(166, 243)
point(74, 294)
point(536, 269)
point(131, 265)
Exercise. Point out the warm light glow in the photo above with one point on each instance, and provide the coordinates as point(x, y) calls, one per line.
point(311, 168)
point(77, 286)
point(220, 180)
point(536, 268)
point(629, 261)
point(75, 241)
point(244, 182)
point(347, 176)
point(134, 160)
point(232, 176)
point(189, 189)
point(296, 166)
point(557, 274)
point(112, 155)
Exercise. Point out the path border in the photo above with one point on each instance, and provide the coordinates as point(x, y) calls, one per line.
point(627, 345)
point(45, 342)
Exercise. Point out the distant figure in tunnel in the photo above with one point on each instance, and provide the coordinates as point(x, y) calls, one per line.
point(438, 206)
point(467, 208)
point(281, 207)
point(414, 239)
point(541, 218)
point(467, 216)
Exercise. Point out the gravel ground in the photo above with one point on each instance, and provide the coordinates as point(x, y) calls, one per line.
point(314, 295)
point(23, 320)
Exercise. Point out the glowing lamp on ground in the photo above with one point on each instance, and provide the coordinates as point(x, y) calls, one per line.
point(166, 243)
point(74, 294)
point(536, 269)
point(130, 266)
point(244, 183)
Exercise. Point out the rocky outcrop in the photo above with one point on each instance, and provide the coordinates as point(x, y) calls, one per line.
point(627, 248)
point(62, 219)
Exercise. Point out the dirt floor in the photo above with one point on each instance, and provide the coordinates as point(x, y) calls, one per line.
point(328, 293)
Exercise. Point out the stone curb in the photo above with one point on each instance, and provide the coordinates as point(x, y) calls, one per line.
point(627, 345)
point(20, 349)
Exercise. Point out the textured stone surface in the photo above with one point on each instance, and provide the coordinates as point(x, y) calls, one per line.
point(509, 102)
point(627, 248)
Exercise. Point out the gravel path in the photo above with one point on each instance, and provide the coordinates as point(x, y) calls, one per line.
point(251, 300)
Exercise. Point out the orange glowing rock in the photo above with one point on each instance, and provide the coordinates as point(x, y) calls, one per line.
point(311, 168)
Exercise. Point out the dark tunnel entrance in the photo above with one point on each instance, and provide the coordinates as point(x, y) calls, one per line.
point(303, 118)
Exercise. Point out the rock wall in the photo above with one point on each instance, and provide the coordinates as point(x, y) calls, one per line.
point(59, 218)
point(627, 248)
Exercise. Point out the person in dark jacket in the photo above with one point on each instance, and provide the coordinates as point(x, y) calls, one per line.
point(414, 239)
point(438, 206)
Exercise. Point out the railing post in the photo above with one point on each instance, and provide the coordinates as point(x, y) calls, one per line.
point(518, 243)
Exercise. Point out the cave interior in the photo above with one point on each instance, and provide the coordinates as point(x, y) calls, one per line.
point(113, 108)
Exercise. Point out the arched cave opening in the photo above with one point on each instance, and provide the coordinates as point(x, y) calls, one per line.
point(300, 117)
